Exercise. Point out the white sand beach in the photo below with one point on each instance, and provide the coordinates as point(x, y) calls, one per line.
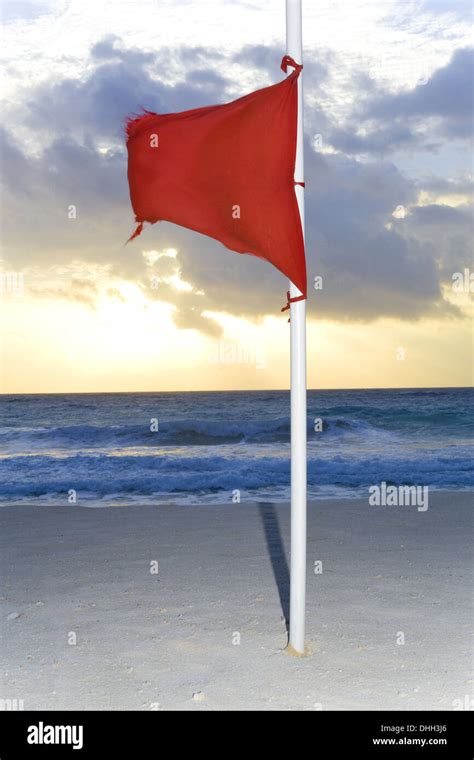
point(150, 641)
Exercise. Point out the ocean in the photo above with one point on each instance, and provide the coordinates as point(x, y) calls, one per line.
point(216, 447)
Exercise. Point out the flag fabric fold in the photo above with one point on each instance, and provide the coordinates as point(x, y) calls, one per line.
point(226, 171)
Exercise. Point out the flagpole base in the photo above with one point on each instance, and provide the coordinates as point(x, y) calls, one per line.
point(291, 650)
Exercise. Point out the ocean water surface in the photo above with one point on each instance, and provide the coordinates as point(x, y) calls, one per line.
point(192, 448)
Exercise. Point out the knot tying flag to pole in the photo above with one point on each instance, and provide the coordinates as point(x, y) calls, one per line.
point(290, 300)
point(287, 60)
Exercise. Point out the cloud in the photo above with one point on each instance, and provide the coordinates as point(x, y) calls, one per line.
point(379, 141)
point(111, 48)
point(372, 264)
point(440, 108)
point(447, 230)
point(19, 10)
point(447, 96)
point(80, 290)
point(461, 9)
point(122, 82)
point(441, 186)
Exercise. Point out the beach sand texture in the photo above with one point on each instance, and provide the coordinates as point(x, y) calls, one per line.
point(147, 640)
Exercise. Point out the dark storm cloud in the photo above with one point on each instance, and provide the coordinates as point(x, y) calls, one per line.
point(447, 95)
point(110, 48)
point(368, 270)
point(441, 216)
point(39, 192)
point(123, 82)
point(380, 141)
point(266, 57)
point(440, 109)
point(448, 187)
point(447, 230)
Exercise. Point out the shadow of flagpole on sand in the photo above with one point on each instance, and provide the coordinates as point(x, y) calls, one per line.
point(276, 551)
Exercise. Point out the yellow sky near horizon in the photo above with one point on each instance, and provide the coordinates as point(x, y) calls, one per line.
point(130, 343)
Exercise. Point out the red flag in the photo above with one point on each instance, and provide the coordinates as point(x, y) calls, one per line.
point(226, 171)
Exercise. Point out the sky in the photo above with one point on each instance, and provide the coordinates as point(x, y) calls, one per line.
point(388, 171)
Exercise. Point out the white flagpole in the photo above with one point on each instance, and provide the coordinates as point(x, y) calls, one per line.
point(294, 48)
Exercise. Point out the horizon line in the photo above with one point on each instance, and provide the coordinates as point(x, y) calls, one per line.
point(239, 390)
